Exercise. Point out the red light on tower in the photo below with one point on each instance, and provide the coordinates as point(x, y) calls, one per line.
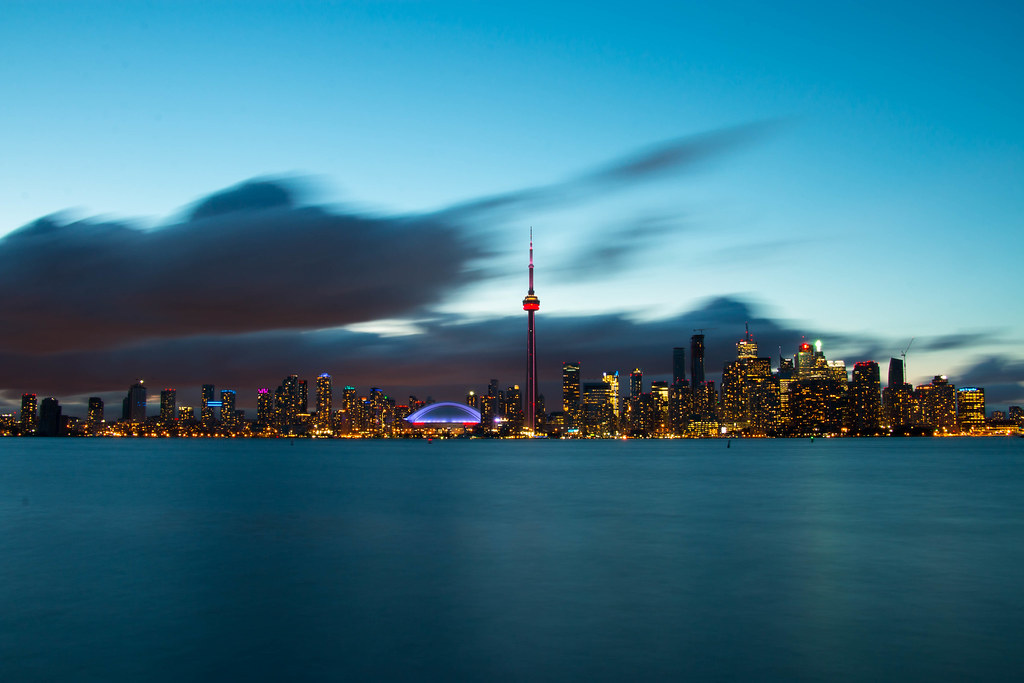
point(805, 348)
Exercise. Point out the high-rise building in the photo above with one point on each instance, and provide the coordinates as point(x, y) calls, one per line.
point(937, 402)
point(50, 418)
point(303, 402)
point(531, 304)
point(207, 397)
point(612, 380)
point(95, 414)
point(746, 347)
point(898, 399)
point(264, 407)
point(696, 360)
point(1016, 413)
point(661, 425)
point(570, 387)
point(865, 406)
point(678, 366)
point(895, 372)
point(135, 403)
point(168, 409)
point(227, 407)
point(186, 415)
point(28, 419)
point(636, 383)
point(513, 409)
point(598, 418)
point(970, 409)
point(323, 400)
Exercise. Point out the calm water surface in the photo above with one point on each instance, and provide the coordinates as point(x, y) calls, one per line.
point(265, 560)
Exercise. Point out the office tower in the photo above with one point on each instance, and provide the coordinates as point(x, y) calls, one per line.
point(612, 380)
point(865, 398)
point(264, 407)
point(636, 383)
point(937, 402)
point(678, 366)
point(288, 401)
point(659, 400)
point(531, 304)
point(323, 400)
point(513, 409)
point(28, 418)
point(746, 347)
point(970, 409)
point(168, 411)
point(49, 418)
point(598, 416)
point(95, 414)
point(765, 405)
point(696, 360)
point(135, 403)
point(705, 401)
point(351, 411)
point(895, 372)
point(570, 387)
point(205, 409)
point(227, 407)
point(376, 407)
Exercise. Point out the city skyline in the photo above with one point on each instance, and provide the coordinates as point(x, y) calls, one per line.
point(846, 175)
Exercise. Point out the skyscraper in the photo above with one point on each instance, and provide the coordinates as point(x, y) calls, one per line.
point(227, 407)
point(95, 414)
point(531, 304)
point(970, 408)
point(135, 403)
point(28, 414)
point(323, 400)
point(636, 383)
point(570, 387)
point(865, 398)
point(697, 360)
point(678, 366)
point(205, 409)
point(50, 418)
point(168, 411)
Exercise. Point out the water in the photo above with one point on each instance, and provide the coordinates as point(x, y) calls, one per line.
point(899, 559)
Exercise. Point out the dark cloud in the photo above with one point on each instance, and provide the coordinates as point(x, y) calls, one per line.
point(245, 260)
point(1002, 379)
point(953, 342)
point(657, 161)
point(446, 359)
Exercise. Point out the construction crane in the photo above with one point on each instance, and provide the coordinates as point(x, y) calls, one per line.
point(903, 354)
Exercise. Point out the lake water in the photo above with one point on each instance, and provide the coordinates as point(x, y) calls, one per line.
point(857, 559)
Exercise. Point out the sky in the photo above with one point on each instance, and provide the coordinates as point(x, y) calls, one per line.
point(233, 192)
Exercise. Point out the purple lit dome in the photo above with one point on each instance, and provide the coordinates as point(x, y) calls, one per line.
point(445, 414)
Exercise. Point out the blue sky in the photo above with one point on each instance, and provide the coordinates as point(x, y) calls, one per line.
point(883, 200)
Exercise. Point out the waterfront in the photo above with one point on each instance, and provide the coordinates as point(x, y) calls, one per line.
point(855, 559)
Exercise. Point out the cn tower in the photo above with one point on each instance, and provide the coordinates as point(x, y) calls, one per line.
point(531, 304)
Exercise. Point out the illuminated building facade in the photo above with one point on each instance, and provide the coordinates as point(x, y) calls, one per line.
point(95, 411)
point(323, 401)
point(636, 383)
point(612, 380)
point(227, 407)
point(937, 402)
point(264, 407)
point(970, 409)
point(598, 414)
point(168, 408)
point(186, 414)
point(570, 388)
point(865, 404)
point(28, 418)
point(207, 397)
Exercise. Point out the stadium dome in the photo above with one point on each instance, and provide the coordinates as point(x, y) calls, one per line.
point(444, 414)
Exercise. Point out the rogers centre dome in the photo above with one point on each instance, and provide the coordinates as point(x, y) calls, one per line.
point(444, 414)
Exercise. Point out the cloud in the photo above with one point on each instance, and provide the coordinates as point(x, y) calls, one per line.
point(449, 357)
point(657, 161)
point(245, 260)
point(953, 342)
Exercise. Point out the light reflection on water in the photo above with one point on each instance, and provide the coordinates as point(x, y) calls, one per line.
point(788, 560)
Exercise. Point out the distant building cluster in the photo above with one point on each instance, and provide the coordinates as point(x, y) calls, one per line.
point(806, 395)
